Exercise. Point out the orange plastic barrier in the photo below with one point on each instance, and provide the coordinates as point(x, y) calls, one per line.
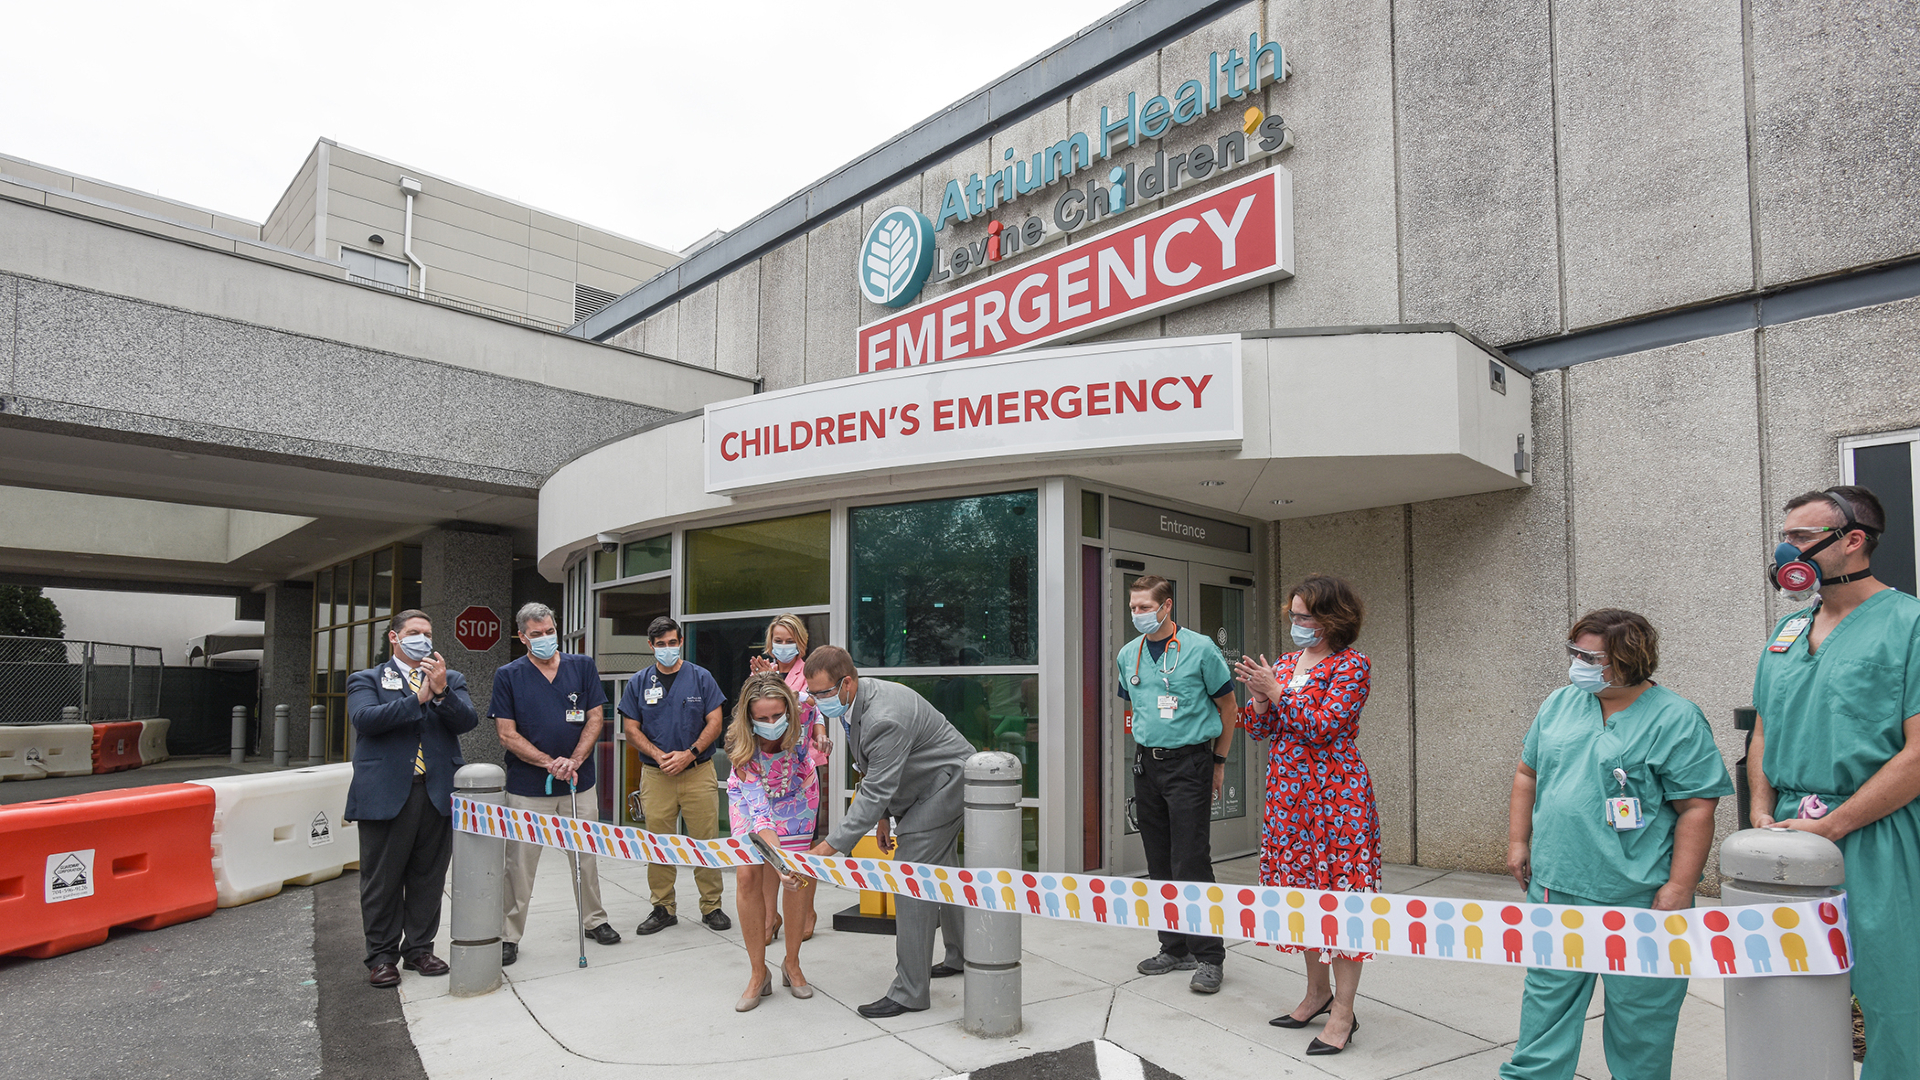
point(72, 869)
point(116, 746)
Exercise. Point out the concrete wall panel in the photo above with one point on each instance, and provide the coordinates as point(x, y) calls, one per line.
point(697, 327)
point(737, 330)
point(663, 332)
point(1477, 166)
point(833, 304)
point(783, 315)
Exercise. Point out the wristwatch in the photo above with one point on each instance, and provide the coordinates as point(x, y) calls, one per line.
point(1219, 759)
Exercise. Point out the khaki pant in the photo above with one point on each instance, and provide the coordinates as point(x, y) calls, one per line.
point(694, 795)
point(524, 859)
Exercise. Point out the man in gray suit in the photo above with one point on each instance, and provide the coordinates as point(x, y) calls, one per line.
point(912, 765)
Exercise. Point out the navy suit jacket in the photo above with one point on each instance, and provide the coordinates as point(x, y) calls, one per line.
point(388, 724)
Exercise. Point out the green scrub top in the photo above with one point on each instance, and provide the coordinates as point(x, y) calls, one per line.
point(1664, 745)
point(1832, 718)
point(1194, 672)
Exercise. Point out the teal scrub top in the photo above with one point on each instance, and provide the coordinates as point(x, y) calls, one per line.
point(1193, 672)
point(1832, 718)
point(1662, 742)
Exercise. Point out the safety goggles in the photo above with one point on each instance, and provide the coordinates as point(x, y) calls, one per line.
point(1597, 658)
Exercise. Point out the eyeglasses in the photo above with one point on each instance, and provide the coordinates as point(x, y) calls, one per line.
point(1597, 658)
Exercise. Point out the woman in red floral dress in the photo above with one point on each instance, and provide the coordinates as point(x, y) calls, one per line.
point(1321, 830)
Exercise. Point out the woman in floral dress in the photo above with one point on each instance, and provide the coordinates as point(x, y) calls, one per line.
point(1321, 830)
point(774, 791)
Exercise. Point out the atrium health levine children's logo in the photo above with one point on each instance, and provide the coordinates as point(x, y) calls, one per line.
point(896, 257)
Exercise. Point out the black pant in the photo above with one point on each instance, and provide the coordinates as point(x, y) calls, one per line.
point(1173, 799)
point(403, 869)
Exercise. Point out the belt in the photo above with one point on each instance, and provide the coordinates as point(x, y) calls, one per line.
point(1164, 753)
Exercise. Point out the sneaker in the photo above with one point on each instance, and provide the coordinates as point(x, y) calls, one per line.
point(1206, 980)
point(1164, 961)
point(656, 922)
point(717, 920)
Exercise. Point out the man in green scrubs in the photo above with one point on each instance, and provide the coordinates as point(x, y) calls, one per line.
point(1836, 752)
point(1614, 737)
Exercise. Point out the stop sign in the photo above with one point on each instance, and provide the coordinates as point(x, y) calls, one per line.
point(477, 628)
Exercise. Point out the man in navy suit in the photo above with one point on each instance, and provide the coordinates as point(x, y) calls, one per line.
point(408, 715)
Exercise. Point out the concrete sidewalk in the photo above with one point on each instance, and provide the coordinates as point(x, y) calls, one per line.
point(663, 1005)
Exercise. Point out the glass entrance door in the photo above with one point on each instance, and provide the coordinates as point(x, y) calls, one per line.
point(1213, 601)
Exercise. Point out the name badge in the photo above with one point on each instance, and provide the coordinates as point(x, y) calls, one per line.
point(1789, 634)
point(576, 716)
point(390, 681)
point(1168, 703)
point(1624, 814)
point(654, 694)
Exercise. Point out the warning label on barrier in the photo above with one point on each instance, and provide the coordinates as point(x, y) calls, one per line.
point(69, 875)
point(320, 833)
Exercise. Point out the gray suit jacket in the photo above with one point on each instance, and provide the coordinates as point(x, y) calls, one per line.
point(913, 761)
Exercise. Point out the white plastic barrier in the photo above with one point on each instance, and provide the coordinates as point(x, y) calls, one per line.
point(32, 751)
point(153, 741)
point(280, 828)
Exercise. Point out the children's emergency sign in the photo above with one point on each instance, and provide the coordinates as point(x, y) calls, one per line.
point(1138, 395)
point(1223, 241)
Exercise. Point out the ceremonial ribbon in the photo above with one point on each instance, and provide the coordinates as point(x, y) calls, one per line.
point(1807, 937)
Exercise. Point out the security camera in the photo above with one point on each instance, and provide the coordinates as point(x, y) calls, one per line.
point(608, 541)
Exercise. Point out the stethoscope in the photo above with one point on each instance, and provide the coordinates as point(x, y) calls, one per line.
point(1173, 646)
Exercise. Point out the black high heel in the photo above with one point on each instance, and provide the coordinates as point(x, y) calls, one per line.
point(1288, 1021)
point(1316, 1048)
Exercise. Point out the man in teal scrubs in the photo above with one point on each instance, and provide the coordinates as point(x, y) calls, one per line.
point(1836, 752)
point(1180, 691)
point(1612, 804)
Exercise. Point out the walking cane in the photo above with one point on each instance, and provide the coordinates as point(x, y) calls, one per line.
point(579, 908)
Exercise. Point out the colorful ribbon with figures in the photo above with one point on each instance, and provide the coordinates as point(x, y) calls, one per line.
point(1804, 938)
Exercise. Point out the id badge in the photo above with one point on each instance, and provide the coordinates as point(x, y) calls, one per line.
point(576, 716)
point(1168, 703)
point(1789, 634)
point(654, 694)
point(1623, 814)
point(390, 681)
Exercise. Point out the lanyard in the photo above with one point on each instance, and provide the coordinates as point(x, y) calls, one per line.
point(1173, 646)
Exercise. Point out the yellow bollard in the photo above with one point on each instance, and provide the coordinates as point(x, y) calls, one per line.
point(878, 904)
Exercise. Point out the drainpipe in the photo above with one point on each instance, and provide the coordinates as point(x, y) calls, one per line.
point(412, 187)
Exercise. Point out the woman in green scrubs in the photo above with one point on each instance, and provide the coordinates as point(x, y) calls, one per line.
point(1612, 804)
point(1836, 752)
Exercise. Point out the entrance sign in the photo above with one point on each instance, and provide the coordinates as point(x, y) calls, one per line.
point(1177, 525)
point(1169, 394)
point(1223, 241)
point(477, 629)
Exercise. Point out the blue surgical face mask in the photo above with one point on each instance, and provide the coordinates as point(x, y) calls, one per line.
point(417, 646)
point(771, 729)
point(1147, 622)
point(666, 655)
point(1589, 677)
point(831, 706)
point(785, 651)
point(1304, 637)
point(544, 647)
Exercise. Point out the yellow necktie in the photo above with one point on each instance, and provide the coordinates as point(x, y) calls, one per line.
point(419, 749)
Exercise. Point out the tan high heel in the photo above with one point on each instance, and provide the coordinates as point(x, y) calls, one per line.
point(750, 1000)
point(801, 989)
point(773, 935)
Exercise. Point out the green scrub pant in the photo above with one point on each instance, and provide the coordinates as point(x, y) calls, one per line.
point(1642, 1014)
point(1883, 881)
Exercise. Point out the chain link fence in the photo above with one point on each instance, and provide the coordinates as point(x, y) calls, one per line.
point(40, 678)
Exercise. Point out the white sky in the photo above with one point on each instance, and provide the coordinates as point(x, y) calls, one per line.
point(661, 120)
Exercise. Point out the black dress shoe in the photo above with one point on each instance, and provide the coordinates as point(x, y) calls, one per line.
point(656, 922)
point(942, 971)
point(717, 920)
point(425, 963)
point(1317, 1048)
point(605, 934)
point(1288, 1021)
point(509, 952)
point(384, 976)
point(885, 1007)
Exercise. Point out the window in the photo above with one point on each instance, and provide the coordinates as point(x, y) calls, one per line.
point(372, 269)
point(945, 583)
point(352, 604)
point(1884, 464)
point(623, 613)
point(775, 565)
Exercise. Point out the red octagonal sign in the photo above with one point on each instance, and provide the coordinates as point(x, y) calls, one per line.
point(477, 628)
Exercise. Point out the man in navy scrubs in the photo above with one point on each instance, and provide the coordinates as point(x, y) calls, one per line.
point(549, 708)
point(671, 712)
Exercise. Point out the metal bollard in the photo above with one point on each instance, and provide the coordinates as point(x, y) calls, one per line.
point(1785, 1026)
point(479, 880)
point(239, 743)
point(280, 736)
point(69, 714)
point(317, 735)
point(992, 822)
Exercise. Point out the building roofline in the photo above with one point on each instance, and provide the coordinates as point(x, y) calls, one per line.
point(1108, 45)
